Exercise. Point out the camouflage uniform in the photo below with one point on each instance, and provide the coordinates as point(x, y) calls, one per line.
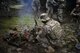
point(55, 32)
point(51, 33)
point(36, 7)
point(76, 17)
point(52, 6)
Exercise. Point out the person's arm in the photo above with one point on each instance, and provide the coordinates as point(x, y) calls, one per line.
point(73, 12)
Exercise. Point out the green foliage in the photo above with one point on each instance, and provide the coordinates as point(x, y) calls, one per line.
point(6, 23)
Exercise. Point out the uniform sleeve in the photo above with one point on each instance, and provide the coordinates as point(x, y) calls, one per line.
point(47, 29)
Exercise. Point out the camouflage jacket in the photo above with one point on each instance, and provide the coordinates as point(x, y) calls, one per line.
point(51, 33)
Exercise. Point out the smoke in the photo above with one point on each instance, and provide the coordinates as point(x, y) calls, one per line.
point(26, 9)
